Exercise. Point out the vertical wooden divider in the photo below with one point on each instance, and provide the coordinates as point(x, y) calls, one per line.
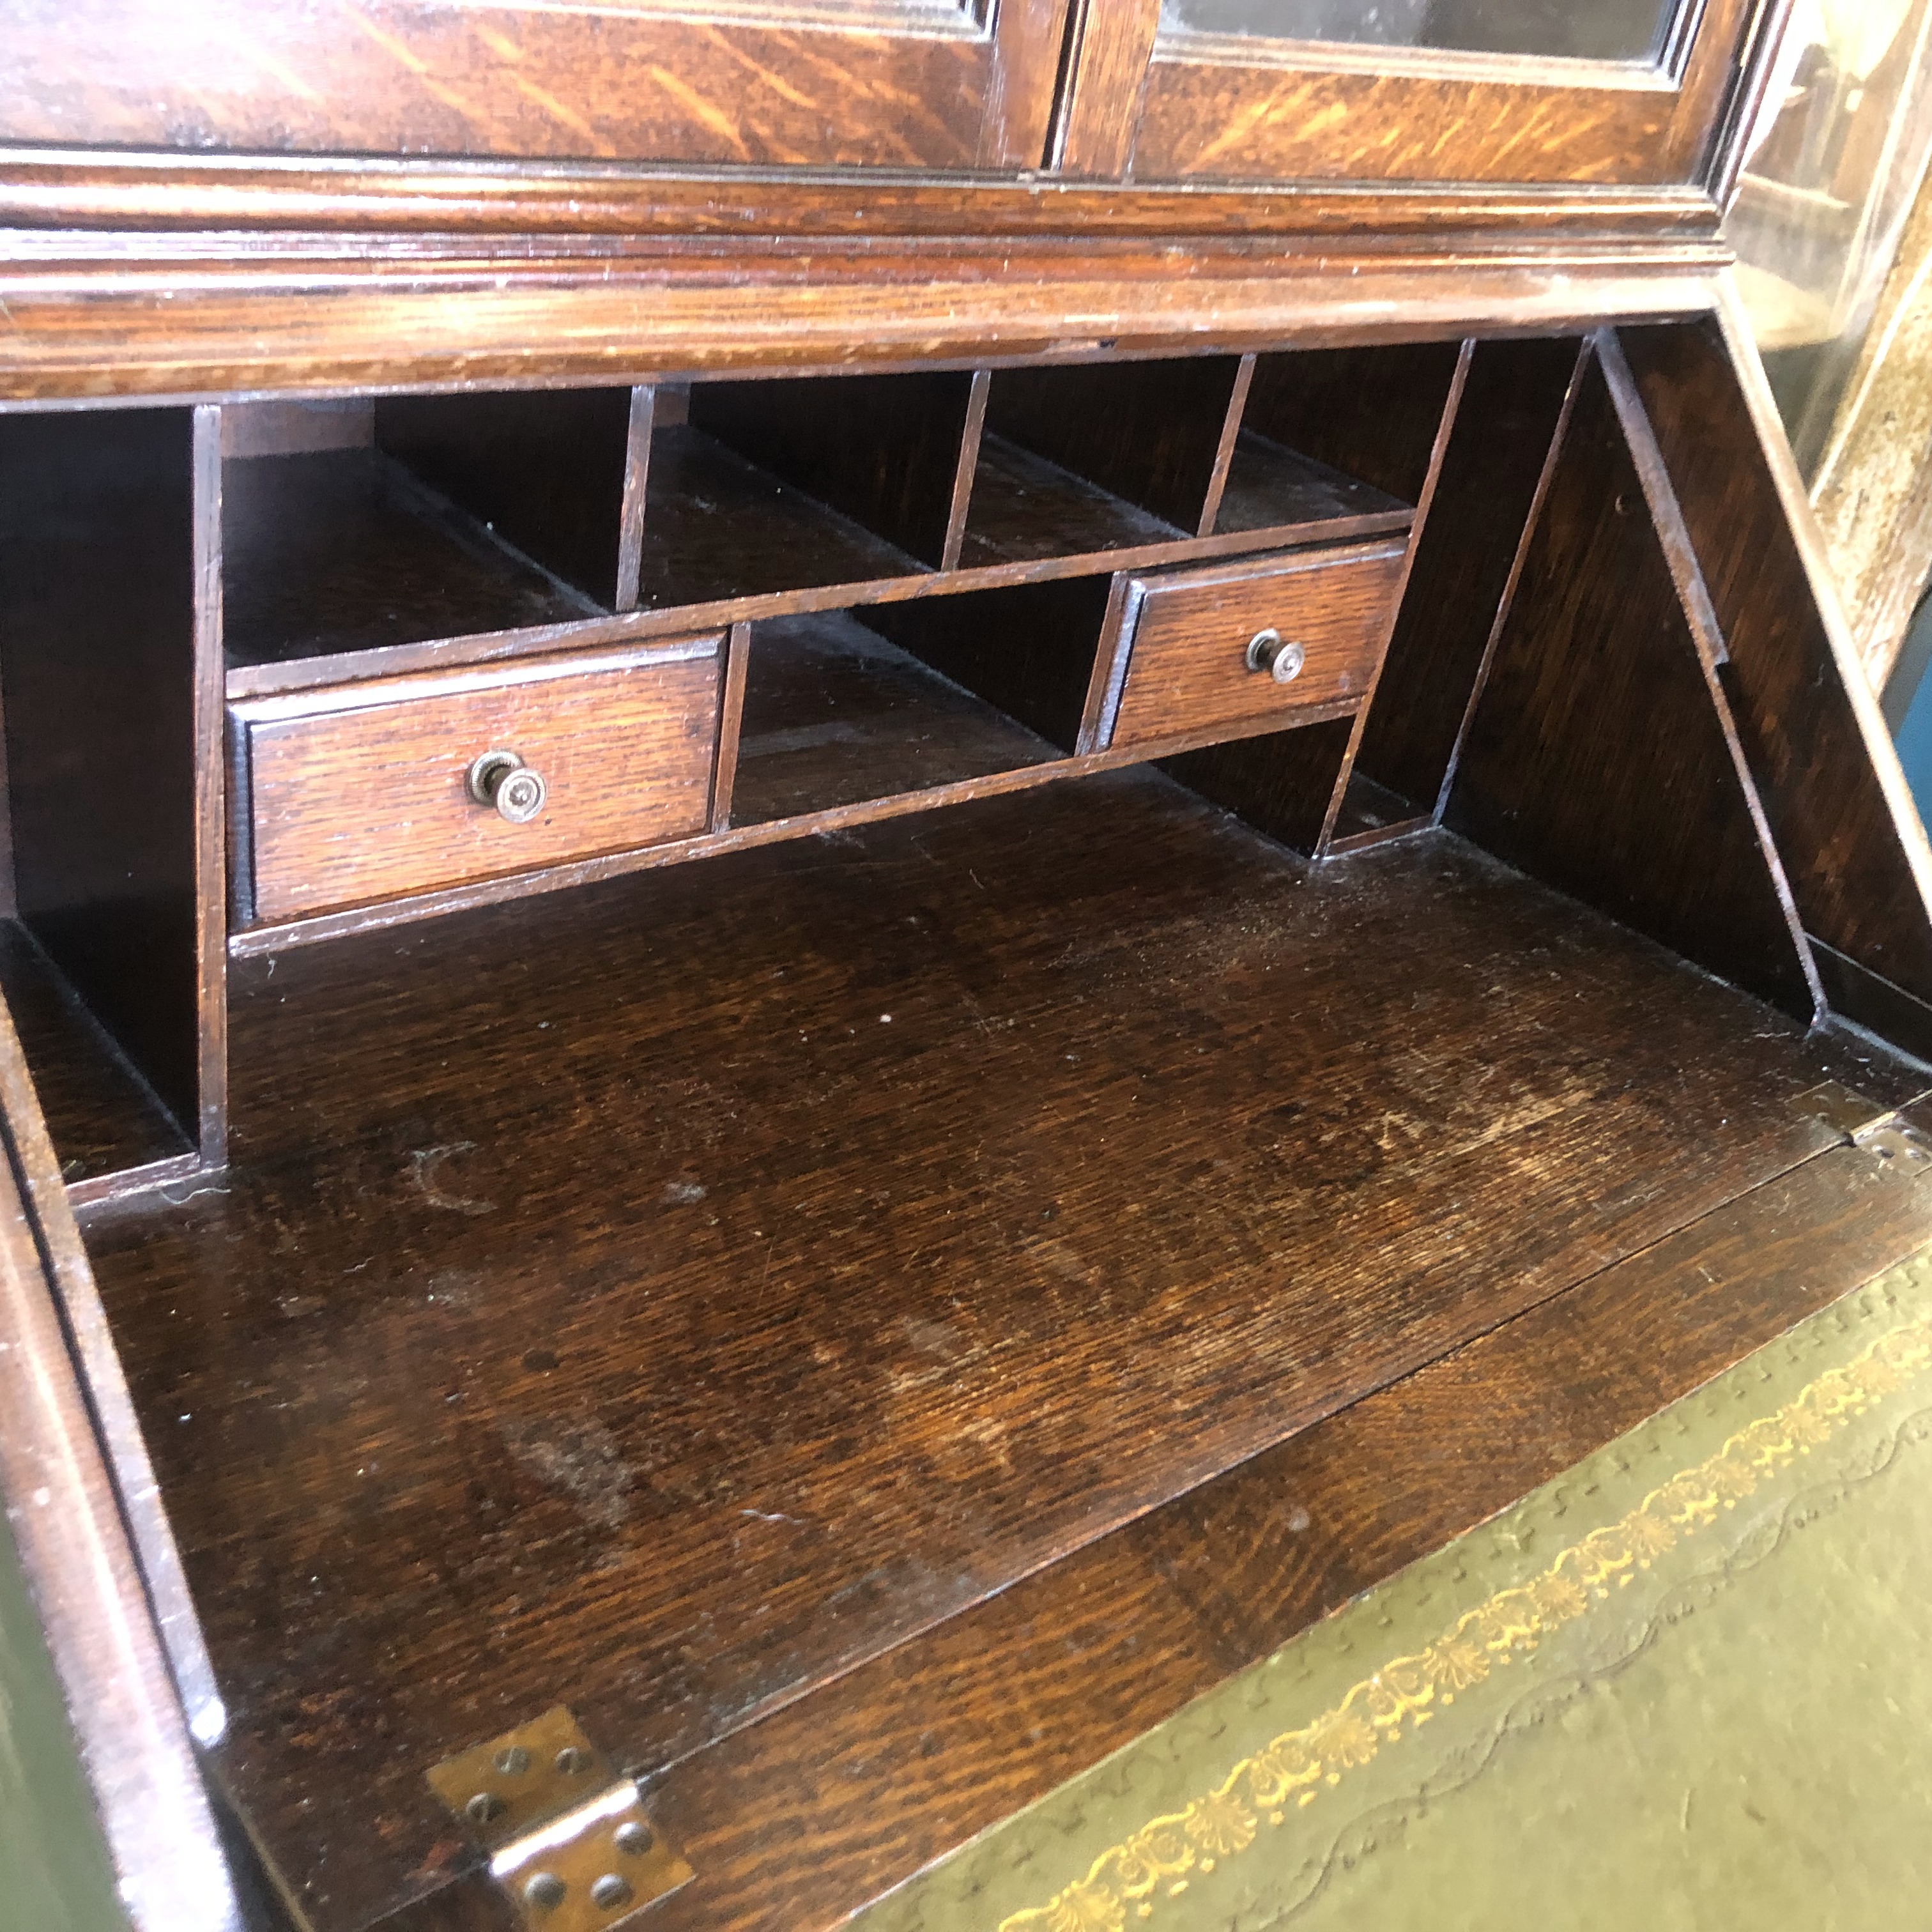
point(1515, 577)
point(636, 476)
point(1224, 453)
point(1693, 598)
point(210, 812)
point(969, 462)
point(731, 716)
point(1445, 428)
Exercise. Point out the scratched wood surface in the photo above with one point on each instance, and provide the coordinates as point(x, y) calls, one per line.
point(912, 1754)
point(793, 1250)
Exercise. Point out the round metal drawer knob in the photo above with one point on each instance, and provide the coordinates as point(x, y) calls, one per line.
point(1282, 658)
point(501, 779)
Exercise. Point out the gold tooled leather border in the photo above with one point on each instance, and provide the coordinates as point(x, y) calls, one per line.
point(1295, 1769)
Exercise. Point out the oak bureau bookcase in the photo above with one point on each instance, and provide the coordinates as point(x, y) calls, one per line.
point(835, 836)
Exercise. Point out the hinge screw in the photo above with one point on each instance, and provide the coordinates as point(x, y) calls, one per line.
point(546, 1891)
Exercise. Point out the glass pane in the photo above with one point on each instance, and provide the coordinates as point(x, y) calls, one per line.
point(1602, 30)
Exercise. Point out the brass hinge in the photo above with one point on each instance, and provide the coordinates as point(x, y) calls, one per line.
point(568, 1841)
point(1880, 1132)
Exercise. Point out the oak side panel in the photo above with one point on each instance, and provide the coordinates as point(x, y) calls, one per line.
point(1282, 783)
point(1597, 758)
point(1845, 851)
point(1497, 453)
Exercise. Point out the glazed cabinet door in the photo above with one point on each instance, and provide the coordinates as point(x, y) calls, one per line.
point(939, 84)
point(1620, 91)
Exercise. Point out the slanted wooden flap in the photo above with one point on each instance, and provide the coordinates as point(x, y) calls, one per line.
point(1821, 761)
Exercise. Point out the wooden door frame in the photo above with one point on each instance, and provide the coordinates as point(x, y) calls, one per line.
point(1142, 107)
point(541, 81)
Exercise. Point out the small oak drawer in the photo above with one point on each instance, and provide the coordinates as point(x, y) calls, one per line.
point(401, 784)
point(1242, 645)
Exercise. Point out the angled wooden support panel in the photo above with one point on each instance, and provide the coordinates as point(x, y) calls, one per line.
point(1601, 758)
point(1824, 765)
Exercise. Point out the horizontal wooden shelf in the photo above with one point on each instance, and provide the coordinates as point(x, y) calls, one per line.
point(1024, 509)
point(717, 527)
point(689, 1302)
point(343, 551)
point(1270, 488)
point(835, 714)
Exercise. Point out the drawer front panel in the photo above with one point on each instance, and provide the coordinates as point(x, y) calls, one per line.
point(363, 793)
point(1182, 663)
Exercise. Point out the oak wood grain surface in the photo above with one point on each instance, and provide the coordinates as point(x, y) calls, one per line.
point(1495, 461)
point(1211, 105)
point(361, 794)
point(901, 86)
point(161, 316)
point(342, 550)
point(1186, 636)
point(793, 1250)
point(1850, 873)
point(1597, 757)
point(869, 1779)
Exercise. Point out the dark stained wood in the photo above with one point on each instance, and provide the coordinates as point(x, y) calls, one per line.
point(1282, 784)
point(1029, 651)
point(1432, 479)
point(1181, 661)
point(97, 664)
point(868, 1779)
point(103, 1116)
point(883, 450)
point(1269, 489)
point(342, 550)
point(718, 527)
point(1149, 433)
point(1506, 425)
point(1215, 106)
point(918, 87)
point(836, 714)
point(546, 470)
point(362, 793)
point(1371, 413)
point(1370, 813)
point(1158, 1112)
point(1024, 509)
point(1598, 757)
point(1857, 995)
point(1850, 871)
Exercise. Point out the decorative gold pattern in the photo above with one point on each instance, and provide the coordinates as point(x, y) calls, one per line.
point(1295, 1769)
